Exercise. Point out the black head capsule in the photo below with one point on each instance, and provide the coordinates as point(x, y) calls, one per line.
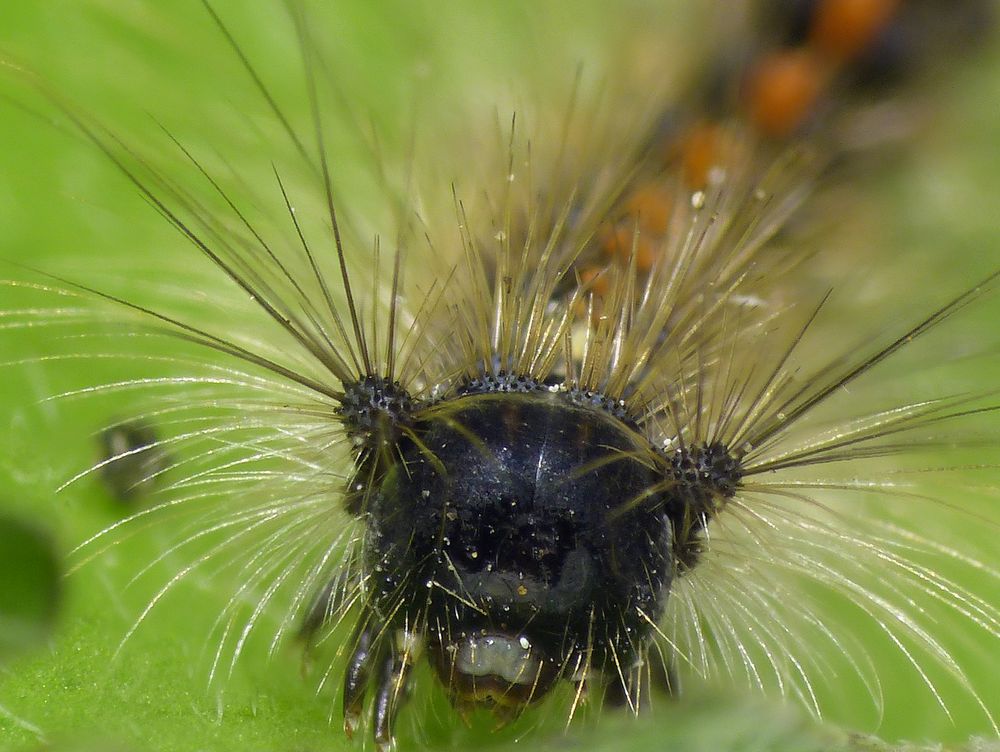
point(518, 537)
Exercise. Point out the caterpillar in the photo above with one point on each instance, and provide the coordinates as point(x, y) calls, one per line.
point(581, 430)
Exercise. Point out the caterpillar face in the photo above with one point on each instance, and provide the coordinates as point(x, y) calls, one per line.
point(527, 535)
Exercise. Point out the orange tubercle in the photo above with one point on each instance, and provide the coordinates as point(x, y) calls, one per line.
point(783, 89)
point(842, 29)
point(621, 240)
point(651, 204)
point(700, 152)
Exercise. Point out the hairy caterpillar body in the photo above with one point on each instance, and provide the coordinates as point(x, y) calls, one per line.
point(586, 431)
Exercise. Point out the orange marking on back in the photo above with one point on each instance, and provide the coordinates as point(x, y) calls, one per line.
point(620, 240)
point(651, 204)
point(595, 282)
point(843, 29)
point(782, 90)
point(700, 151)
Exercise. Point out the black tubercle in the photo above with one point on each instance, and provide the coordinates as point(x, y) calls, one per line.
point(506, 383)
point(616, 407)
point(502, 382)
point(705, 477)
point(706, 470)
point(374, 409)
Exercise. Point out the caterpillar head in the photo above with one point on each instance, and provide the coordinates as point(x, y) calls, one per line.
point(521, 537)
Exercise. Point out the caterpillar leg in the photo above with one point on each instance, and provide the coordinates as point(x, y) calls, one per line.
point(393, 660)
point(391, 694)
point(356, 681)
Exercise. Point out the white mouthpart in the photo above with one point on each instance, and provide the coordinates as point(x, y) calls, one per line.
point(508, 658)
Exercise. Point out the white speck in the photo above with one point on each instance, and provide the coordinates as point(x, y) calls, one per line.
point(697, 199)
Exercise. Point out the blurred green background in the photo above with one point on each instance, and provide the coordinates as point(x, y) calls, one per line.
point(64, 208)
